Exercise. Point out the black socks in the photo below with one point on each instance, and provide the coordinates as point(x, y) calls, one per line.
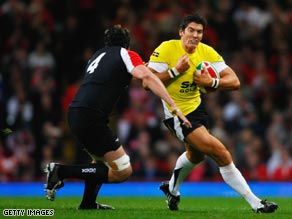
point(95, 172)
point(91, 190)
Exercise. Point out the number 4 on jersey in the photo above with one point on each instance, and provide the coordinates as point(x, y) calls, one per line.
point(94, 63)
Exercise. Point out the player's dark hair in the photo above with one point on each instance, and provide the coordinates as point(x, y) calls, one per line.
point(117, 36)
point(196, 17)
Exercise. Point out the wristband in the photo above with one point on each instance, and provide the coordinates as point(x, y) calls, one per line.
point(173, 72)
point(215, 83)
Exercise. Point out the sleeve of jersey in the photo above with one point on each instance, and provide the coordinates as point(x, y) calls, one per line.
point(160, 54)
point(131, 59)
point(216, 59)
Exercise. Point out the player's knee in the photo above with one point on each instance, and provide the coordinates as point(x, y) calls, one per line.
point(126, 173)
point(227, 157)
point(121, 168)
point(120, 164)
point(222, 156)
point(120, 176)
point(224, 153)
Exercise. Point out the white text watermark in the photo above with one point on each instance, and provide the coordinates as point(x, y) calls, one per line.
point(28, 212)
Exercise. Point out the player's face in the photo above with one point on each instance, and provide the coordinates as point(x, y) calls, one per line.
point(191, 36)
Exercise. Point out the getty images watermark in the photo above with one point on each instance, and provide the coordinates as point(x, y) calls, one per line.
point(28, 212)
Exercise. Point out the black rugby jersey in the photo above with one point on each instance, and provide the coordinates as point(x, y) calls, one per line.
point(107, 76)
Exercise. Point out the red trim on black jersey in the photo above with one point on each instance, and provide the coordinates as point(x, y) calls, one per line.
point(135, 58)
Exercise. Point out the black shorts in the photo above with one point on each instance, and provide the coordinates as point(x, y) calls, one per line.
point(197, 118)
point(91, 131)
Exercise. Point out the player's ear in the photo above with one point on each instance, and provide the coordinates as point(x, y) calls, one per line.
point(180, 32)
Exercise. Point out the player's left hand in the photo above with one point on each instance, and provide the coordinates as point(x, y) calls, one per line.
point(203, 79)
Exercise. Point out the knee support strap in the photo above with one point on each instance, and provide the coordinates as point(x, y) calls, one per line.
point(120, 164)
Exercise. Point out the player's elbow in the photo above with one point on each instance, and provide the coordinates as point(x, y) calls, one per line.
point(145, 86)
point(236, 85)
point(146, 78)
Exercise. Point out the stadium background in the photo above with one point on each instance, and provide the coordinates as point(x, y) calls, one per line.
point(44, 46)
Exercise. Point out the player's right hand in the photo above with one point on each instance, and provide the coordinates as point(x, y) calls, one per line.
point(183, 64)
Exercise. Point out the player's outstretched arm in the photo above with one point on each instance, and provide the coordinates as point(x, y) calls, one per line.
point(152, 82)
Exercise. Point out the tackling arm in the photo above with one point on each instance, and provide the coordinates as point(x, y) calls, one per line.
point(152, 82)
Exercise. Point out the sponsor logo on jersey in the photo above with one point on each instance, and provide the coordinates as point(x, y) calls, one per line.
point(156, 54)
point(187, 87)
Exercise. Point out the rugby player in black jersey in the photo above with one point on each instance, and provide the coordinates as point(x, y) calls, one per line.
point(108, 74)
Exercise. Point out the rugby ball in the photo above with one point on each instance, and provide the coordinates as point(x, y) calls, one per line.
point(212, 72)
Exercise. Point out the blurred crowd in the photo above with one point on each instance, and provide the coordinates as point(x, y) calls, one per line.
point(44, 47)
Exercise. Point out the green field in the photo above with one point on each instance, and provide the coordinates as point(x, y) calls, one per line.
point(148, 208)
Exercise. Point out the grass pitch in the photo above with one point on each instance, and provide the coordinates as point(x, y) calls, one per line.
point(147, 207)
